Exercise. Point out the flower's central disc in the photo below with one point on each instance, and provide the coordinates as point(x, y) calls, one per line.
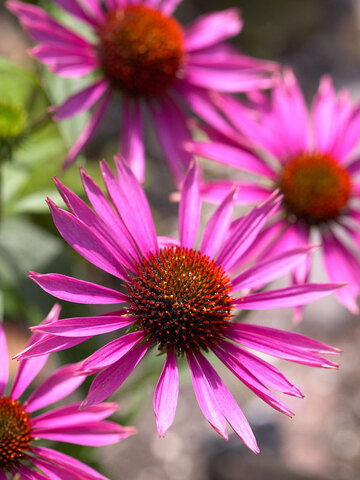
point(181, 298)
point(15, 432)
point(141, 50)
point(315, 187)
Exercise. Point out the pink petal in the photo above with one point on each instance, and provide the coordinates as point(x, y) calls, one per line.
point(166, 394)
point(342, 264)
point(55, 388)
point(72, 415)
point(69, 463)
point(75, 67)
point(189, 208)
point(247, 193)
point(287, 297)
point(268, 270)
point(206, 397)
point(49, 344)
point(212, 28)
point(93, 434)
point(130, 201)
point(132, 138)
point(218, 226)
point(88, 131)
point(229, 408)
point(4, 363)
point(234, 157)
point(81, 101)
point(251, 381)
point(85, 326)
point(169, 6)
point(244, 235)
point(112, 377)
point(73, 7)
point(27, 474)
point(110, 353)
point(77, 291)
point(264, 371)
point(172, 131)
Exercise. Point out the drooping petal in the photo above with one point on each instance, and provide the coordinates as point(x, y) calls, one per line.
point(50, 344)
point(112, 377)
point(80, 101)
point(287, 297)
point(74, 8)
point(206, 398)
point(189, 208)
point(110, 353)
point(169, 6)
point(166, 394)
point(77, 291)
point(229, 408)
point(55, 388)
point(85, 326)
point(216, 190)
point(266, 271)
point(132, 142)
point(88, 131)
point(218, 226)
point(27, 474)
point(212, 28)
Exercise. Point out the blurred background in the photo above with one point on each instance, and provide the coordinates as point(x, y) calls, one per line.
point(323, 440)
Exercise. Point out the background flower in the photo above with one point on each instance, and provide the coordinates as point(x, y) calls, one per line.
point(20, 428)
point(311, 157)
point(141, 51)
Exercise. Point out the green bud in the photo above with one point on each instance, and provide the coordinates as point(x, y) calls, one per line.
point(13, 122)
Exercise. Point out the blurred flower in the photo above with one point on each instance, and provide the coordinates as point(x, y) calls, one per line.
point(311, 158)
point(177, 298)
point(140, 50)
point(20, 429)
point(13, 120)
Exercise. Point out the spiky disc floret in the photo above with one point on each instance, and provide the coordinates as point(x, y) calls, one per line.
point(15, 431)
point(181, 298)
point(315, 187)
point(140, 50)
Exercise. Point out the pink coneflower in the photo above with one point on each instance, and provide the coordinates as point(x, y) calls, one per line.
point(20, 429)
point(177, 299)
point(141, 51)
point(311, 158)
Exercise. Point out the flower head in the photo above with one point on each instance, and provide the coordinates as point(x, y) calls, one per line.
point(20, 428)
point(311, 158)
point(141, 51)
point(178, 298)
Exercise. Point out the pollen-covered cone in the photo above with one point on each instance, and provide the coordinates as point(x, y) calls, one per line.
point(140, 51)
point(21, 427)
point(311, 156)
point(178, 298)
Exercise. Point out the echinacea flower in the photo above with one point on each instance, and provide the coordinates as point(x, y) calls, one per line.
point(311, 157)
point(20, 428)
point(176, 298)
point(142, 52)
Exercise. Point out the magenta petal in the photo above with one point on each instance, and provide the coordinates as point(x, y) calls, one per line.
point(166, 394)
point(73, 7)
point(169, 6)
point(72, 415)
point(218, 226)
point(132, 142)
point(93, 434)
point(110, 353)
point(85, 326)
point(212, 28)
point(88, 131)
point(80, 101)
point(112, 377)
point(264, 371)
point(2, 475)
point(69, 463)
point(27, 474)
point(77, 291)
point(287, 297)
point(53, 471)
point(4, 361)
point(247, 193)
point(206, 398)
point(50, 344)
point(268, 270)
point(55, 388)
point(250, 379)
point(229, 408)
point(189, 208)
